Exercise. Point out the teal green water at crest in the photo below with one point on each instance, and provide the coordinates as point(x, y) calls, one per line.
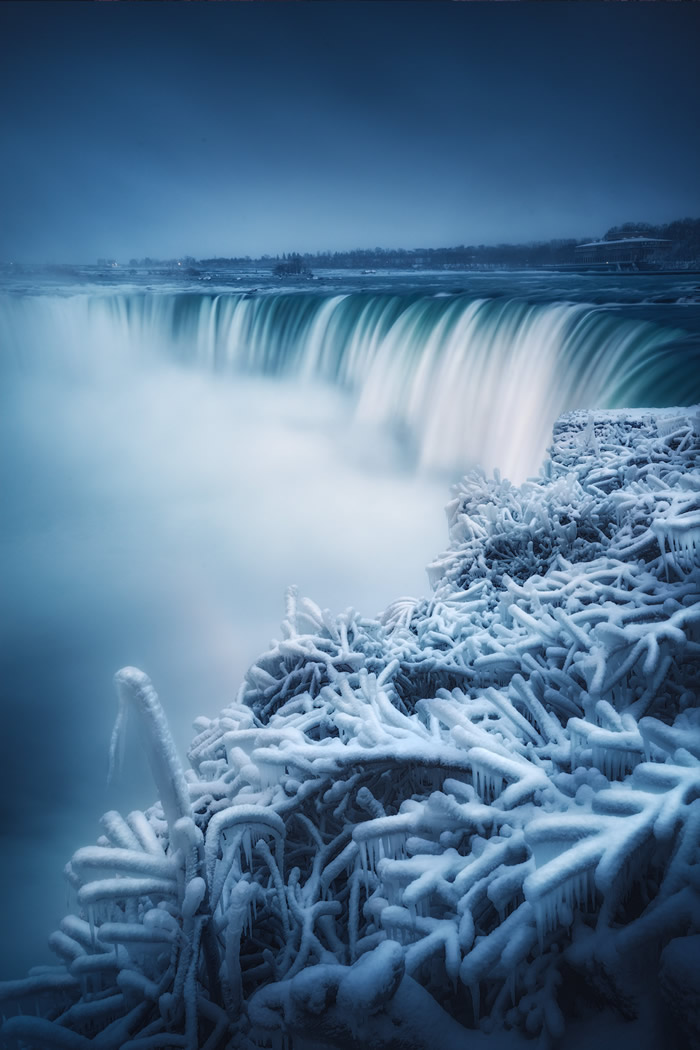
point(465, 381)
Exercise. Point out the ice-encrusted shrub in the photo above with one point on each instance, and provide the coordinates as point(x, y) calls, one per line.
point(481, 811)
point(497, 528)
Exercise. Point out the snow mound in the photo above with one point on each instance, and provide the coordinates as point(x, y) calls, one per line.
point(465, 823)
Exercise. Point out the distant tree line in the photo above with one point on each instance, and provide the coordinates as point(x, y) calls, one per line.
point(185, 262)
point(534, 254)
point(684, 233)
point(457, 258)
point(293, 265)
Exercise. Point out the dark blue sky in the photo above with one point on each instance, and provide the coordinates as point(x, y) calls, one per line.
point(234, 128)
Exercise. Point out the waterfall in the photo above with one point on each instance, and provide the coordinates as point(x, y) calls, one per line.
point(462, 381)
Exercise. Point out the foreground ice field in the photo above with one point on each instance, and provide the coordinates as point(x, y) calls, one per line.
point(471, 823)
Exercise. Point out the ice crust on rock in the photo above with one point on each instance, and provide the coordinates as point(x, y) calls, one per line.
point(432, 825)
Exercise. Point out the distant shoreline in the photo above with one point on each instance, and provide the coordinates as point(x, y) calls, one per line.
point(80, 269)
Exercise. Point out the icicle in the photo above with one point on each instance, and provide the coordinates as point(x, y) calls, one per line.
point(474, 990)
point(91, 920)
point(135, 687)
point(117, 740)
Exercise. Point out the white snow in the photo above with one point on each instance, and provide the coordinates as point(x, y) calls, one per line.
point(421, 824)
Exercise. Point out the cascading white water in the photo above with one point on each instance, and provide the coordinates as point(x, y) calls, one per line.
point(463, 381)
point(171, 462)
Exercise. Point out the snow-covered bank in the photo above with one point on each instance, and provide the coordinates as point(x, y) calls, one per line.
point(481, 812)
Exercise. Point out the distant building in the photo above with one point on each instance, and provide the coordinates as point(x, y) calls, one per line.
point(630, 251)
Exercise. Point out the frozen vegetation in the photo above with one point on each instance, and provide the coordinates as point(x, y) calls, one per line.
point(472, 823)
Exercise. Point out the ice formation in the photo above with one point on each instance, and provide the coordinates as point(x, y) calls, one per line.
point(463, 824)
